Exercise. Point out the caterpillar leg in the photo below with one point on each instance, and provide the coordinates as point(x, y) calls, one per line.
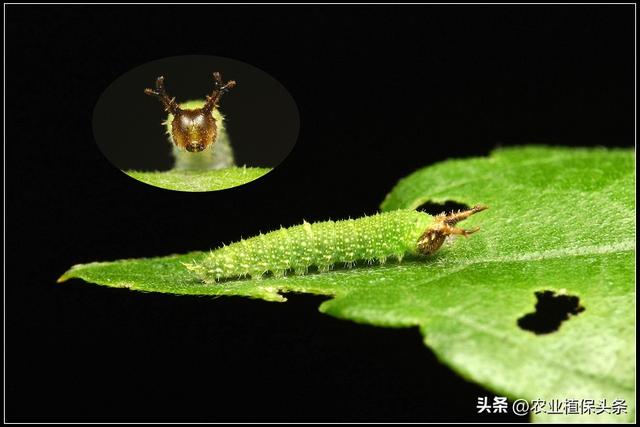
point(433, 238)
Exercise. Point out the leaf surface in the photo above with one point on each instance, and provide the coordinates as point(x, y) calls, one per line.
point(560, 220)
point(194, 181)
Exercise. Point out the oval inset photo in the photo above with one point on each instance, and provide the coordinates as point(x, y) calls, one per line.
point(196, 123)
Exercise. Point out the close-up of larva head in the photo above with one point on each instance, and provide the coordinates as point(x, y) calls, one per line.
point(193, 130)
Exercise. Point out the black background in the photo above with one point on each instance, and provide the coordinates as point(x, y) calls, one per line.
point(382, 90)
point(261, 116)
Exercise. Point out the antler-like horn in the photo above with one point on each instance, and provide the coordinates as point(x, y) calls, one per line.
point(170, 104)
point(219, 89)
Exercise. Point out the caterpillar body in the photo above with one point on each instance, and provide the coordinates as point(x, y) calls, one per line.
point(322, 245)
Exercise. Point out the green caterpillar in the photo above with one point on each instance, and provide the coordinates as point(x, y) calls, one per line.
point(324, 244)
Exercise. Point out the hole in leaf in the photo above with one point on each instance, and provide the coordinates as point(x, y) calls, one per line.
point(551, 311)
point(437, 208)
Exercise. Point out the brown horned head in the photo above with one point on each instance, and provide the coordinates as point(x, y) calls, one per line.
point(194, 130)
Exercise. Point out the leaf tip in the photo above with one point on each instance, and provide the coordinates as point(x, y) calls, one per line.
point(66, 275)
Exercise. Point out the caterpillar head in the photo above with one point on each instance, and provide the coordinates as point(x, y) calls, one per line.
point(445, 225)
point(193, 130)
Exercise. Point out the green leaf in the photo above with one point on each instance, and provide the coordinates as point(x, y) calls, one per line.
point(199, 180)
point(560, 220)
